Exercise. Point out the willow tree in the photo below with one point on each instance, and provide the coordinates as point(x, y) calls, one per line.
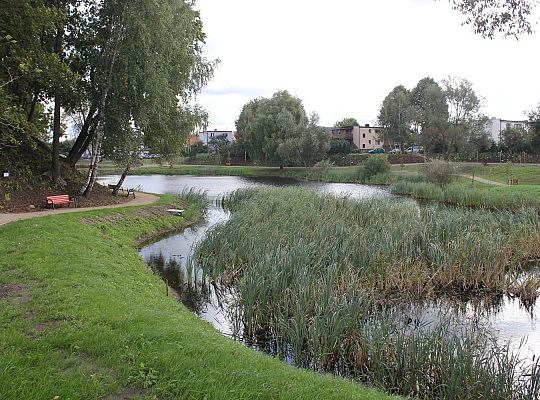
point(396, 115)
point(266, 123)
point(148, 72)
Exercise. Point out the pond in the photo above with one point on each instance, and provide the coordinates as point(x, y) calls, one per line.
point(507, 317)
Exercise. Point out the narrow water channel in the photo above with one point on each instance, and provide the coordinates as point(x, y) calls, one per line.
point(507, 317)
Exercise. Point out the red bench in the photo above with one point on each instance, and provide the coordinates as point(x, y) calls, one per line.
point(61, 199)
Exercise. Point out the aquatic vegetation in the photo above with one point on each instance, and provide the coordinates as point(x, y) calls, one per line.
point(314, 275)
point(510, 198)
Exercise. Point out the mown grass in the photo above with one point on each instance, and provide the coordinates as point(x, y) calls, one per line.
point(86, 319)
point(462, 193)
point(310, 270)
point(526, 174)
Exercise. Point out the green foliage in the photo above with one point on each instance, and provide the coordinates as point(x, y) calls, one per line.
point(534, 129)
point(311, 146)
point(468, 124)
point(430, 112)
point(218, 144)
point(376, 164)
point(195, 148)
point(265, 124)
point(439, 172)
point(515, 140)
point(339, 146)
point(346, 122)
point(396, 115)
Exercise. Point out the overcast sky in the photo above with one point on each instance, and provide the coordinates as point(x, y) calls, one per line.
point(343, 57)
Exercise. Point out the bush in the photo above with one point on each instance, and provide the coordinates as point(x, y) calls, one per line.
point(339, 147)
point(376, 165)
point(439, 172)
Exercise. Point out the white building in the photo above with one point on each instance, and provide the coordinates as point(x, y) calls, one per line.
point(496, 125)
point(208, 135)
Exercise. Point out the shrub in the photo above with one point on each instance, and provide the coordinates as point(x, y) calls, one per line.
point(376, 165)
point(439, 172)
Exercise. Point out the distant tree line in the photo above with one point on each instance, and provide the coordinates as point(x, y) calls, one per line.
point(447, 119)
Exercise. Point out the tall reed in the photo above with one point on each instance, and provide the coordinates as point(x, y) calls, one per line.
point(312, 271)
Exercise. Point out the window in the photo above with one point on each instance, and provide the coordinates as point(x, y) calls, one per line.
point(370, 131)
point(377, 142)
point(370, 141)
point(363, 145)
point(363, 135)
point(377, 131)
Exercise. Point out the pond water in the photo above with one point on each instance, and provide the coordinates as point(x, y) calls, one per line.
point(507, 317)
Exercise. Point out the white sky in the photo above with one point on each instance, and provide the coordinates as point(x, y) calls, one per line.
point(343, 57)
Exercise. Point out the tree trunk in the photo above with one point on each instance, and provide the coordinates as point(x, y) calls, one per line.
point(55, 168)
point(86, 135)
point(92, 172)
point(32, 112)
point(122, 178)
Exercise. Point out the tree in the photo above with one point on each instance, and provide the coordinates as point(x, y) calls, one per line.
point(310, 147)
point(346, 122)
point(217, 144)
point(264, 124)
point(534, 129)
point(467, 123)
point(33, 69)
point(250, 138)
point(146, 78)
point(395, 116)
point(515, 140)
point(492, 17)
point(429, 112)
point(339, 146)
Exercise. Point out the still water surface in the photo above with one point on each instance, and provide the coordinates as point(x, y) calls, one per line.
point(506, 316)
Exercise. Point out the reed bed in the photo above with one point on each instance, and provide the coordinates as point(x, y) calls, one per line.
point(311, 271)
point(492, 198)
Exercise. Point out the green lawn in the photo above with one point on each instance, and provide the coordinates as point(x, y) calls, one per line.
point(526, 174)
point(82, 317)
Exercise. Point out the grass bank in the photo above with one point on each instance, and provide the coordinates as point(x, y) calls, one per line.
point(314, 273)
point(526, 174)
point(463, 193)
point(82, 317)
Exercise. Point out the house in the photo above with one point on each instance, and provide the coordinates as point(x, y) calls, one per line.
point(193, 139)
point(208, 135)
point(360, 137)
point(496, 125)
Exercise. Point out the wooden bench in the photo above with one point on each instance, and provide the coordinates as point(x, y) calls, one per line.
point(111, 187)
point(128, 192)
point(61, 199)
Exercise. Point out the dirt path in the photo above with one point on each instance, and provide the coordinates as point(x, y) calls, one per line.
point(141, 199)
point(485, 181)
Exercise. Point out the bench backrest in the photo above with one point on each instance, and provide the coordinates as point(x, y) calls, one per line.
point(60, 198)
